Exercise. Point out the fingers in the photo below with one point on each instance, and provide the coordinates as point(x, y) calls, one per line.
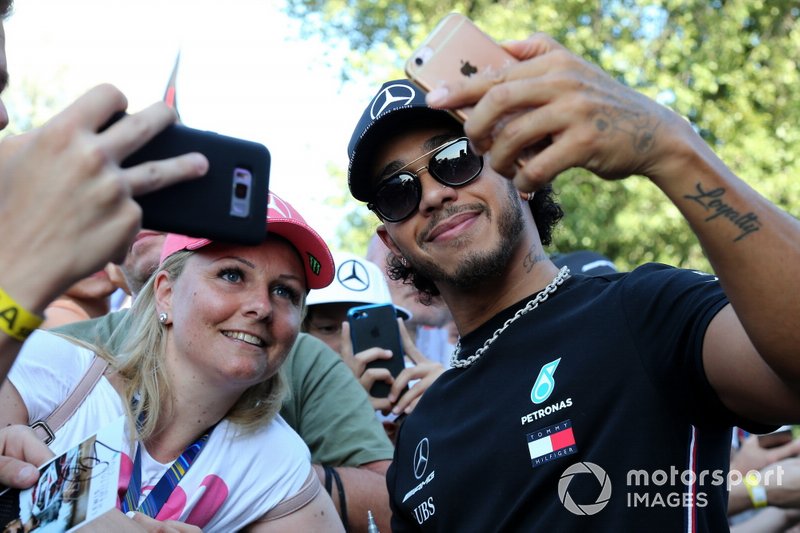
point(93, 108)
point(790, 449)
point(470, 90)
point(346, 345)
point(168, 526)
point(535, 45)
point(371, 375)
point(154, 175)
point(21, 442)
point(409, 400)
point(409, 347)
point(132, 132)
point(17, 474)
point(426, 374)
point(21, 452)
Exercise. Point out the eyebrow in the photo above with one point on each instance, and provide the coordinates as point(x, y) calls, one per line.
point(238, 259)
point(427, 146)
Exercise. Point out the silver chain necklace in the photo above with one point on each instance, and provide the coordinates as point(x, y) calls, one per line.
point(545, 293)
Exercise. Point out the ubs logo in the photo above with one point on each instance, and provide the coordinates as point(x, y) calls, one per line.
point(353, 276)
point(421, 455)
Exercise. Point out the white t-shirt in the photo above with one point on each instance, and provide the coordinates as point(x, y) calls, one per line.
point(233, 482)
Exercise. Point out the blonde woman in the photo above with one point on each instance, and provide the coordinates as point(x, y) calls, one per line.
point(198, 377)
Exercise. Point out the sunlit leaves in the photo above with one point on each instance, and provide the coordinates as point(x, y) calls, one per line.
point(731, 67)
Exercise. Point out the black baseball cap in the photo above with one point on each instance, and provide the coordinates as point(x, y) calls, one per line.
point(585, 262)
point(398, 102)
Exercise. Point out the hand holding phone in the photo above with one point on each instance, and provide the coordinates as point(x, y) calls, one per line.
point(454, 50)
point(227, 204)
point(376, 326)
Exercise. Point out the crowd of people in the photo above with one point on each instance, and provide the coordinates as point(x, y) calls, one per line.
point(529, 380)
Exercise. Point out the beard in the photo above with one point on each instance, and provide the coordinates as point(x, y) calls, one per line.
point(481, 265)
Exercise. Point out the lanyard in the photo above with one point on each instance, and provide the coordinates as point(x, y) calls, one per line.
point(158, 496)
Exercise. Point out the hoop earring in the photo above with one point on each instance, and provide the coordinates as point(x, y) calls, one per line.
point(162, 317)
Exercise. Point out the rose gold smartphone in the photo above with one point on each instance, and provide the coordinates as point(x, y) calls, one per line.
point(455, 49)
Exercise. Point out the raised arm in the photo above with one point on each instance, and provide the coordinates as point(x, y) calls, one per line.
point(68, 206)
point(578, 116)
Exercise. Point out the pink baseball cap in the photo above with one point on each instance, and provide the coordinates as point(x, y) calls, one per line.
point(283, 220)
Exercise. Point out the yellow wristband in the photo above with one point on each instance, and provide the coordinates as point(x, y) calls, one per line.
point(756, 491)
point(16, 321)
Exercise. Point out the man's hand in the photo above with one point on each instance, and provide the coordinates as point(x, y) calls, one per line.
point(66, 203)
point(553, 111)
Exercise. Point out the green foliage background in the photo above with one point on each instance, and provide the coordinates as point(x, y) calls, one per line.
point(731, 67)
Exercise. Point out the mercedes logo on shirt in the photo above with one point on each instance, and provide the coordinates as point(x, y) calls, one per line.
point(394, 95)
point(353, 276)
point(421, 458)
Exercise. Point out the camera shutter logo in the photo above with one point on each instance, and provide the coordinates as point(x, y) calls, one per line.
point(421, 455)
point(602, 498)
point(353, 276)
point(395, 95)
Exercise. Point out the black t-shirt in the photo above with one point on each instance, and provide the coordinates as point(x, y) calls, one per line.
point(590, 413)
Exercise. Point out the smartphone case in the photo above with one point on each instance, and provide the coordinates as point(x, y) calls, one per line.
point(455, 49)
point(376, 325)
point(228, 204)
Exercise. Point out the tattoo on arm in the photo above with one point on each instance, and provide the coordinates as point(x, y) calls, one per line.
point(535, 255)
point(640, 127)
point(713, 200)
point(624, 114)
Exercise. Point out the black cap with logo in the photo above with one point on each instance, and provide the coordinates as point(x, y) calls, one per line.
point(397, 102)
point(585, 262)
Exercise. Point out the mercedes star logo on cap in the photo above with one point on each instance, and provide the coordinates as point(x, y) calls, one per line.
point(353, 275)
point(396, 95)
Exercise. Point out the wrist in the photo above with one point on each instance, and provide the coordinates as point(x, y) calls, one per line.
point(755, 490)
point(15, 320)
point(28, 285)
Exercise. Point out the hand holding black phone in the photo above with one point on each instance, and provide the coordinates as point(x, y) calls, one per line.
point(228, 203)
point(376, 326)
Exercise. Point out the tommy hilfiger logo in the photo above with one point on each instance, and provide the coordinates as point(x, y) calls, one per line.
point(551, 442)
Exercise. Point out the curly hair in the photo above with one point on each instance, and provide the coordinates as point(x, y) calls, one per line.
point(546, 213)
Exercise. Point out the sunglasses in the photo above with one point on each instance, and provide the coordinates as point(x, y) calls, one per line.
point(453, 164)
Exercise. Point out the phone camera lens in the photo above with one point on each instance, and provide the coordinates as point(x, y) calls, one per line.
point(240, 191)
point(418, 61)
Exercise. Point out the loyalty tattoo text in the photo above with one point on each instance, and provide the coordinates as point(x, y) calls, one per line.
point(713, 201)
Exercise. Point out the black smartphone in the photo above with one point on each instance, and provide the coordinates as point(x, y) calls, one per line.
point(376, 325)
point(228, 203)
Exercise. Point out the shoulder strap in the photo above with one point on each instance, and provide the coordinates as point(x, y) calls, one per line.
point(46, 429)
